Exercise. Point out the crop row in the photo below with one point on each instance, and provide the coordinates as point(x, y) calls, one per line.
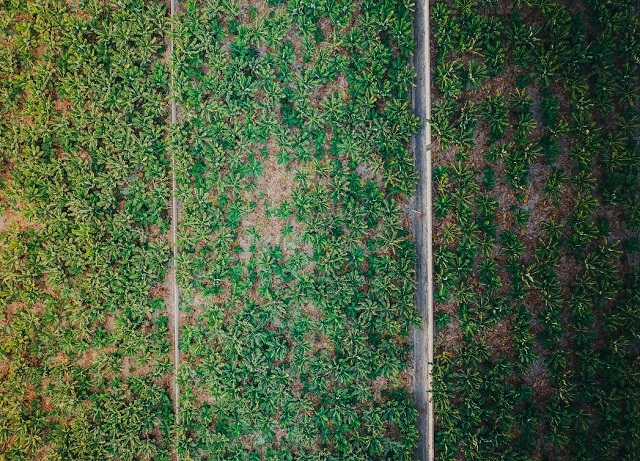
point(84, 352)
point(537, 204)
point(296, 261)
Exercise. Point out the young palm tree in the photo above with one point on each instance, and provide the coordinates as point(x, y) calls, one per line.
point(495, 112)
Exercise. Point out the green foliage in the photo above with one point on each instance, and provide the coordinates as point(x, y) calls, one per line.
point(296, 264)
point(528, 224)
point(495, 113)
point(85, 187)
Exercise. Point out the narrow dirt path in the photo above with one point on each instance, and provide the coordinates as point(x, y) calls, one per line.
point(634, 258)
point(422, 227)
point(175, 294)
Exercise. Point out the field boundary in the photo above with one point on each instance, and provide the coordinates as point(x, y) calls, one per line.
point(175, 294)
point(634, 258)
point(422, 229)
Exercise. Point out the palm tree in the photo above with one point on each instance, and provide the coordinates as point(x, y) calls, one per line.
point(495, 112)
point(475, 74)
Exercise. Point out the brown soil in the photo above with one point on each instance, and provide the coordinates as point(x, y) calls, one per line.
point(13, 220)
point(499, 340)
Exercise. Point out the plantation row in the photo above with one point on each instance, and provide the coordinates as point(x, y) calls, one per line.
point(295, 261)
point(84, 350)
point(537, 210)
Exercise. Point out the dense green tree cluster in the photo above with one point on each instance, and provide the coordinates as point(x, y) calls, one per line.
point(84, 344)
point(296, 261)
point(537, 199)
